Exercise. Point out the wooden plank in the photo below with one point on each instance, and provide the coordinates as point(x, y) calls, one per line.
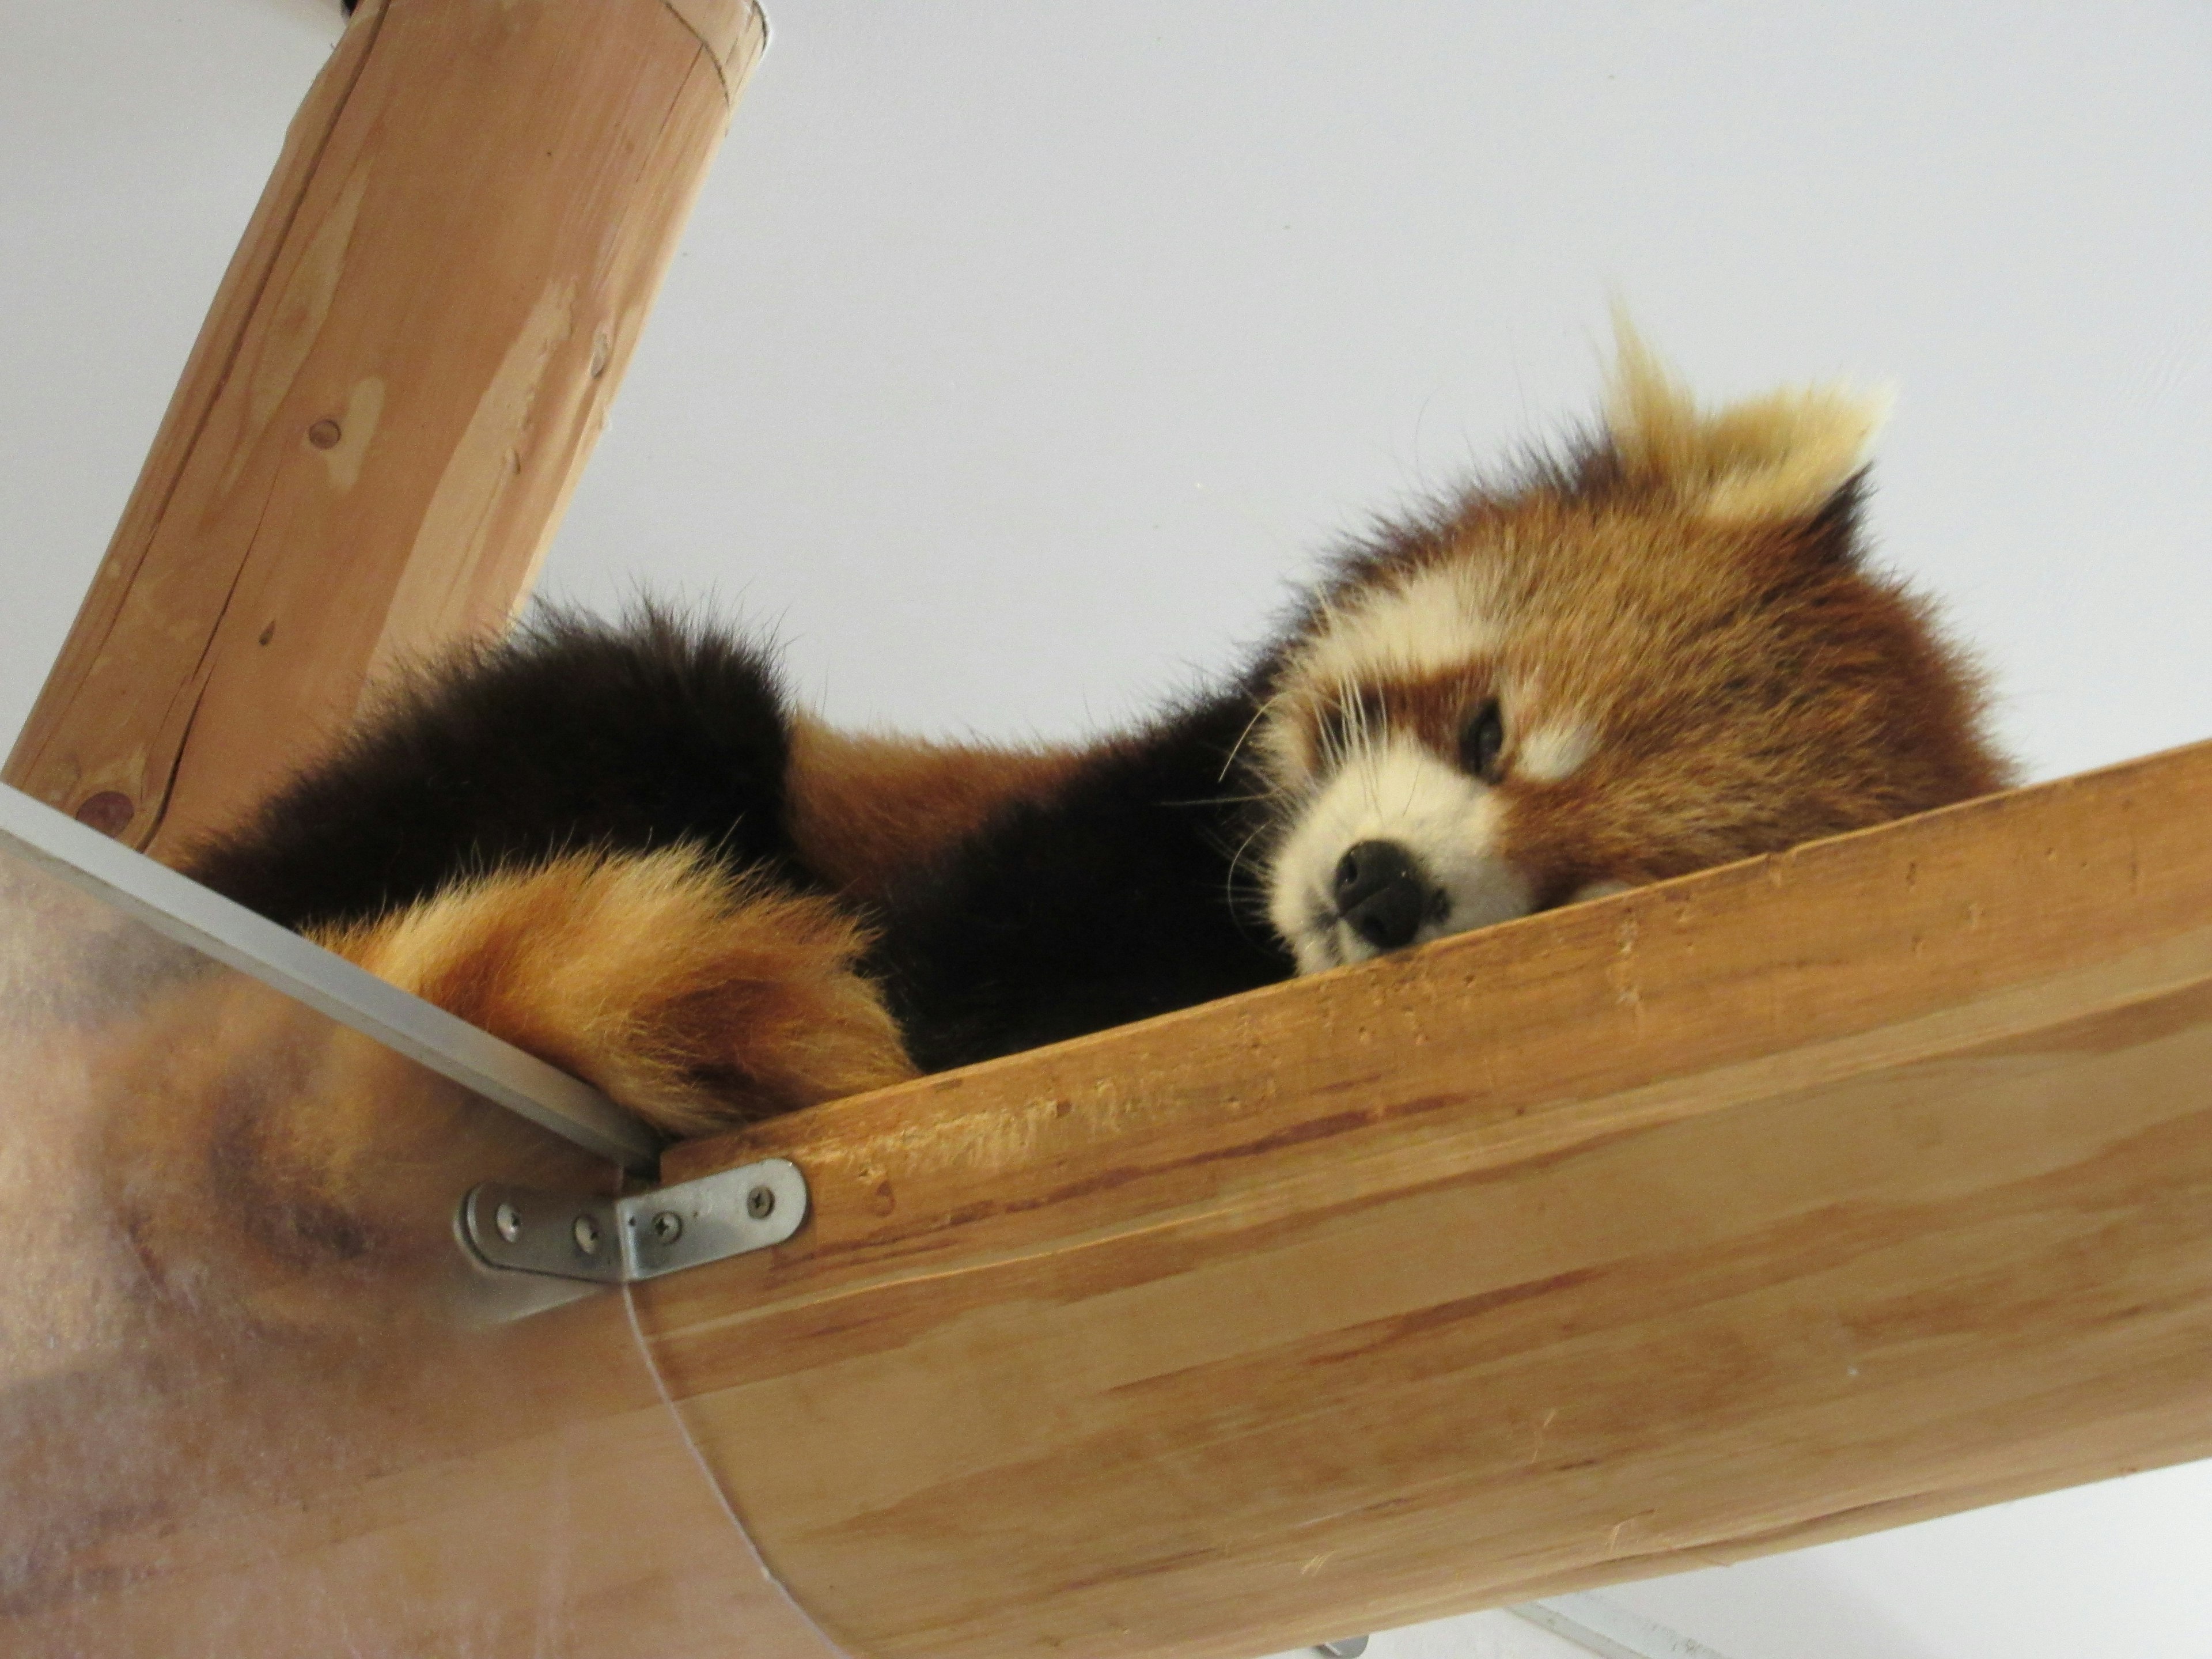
point(1817, 1195)
point(393, 395)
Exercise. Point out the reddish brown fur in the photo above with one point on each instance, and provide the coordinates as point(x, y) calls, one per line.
point(863, 807)
point(692, 996)
point(1433, 707)
point(1748, 686)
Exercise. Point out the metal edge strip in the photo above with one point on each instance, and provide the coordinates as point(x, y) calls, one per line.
point(179, 908)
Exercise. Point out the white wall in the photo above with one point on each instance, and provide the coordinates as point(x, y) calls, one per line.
point(135, 137)
point(1019, 353)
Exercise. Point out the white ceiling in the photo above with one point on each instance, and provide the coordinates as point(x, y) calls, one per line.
point(1018, 354)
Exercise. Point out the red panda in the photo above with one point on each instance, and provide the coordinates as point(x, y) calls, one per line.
point(622, 849)
point(1661, 656)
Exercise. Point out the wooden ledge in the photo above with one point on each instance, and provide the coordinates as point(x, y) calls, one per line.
point(1813, 1196)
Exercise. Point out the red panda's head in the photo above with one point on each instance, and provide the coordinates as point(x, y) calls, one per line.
point(1660, 656)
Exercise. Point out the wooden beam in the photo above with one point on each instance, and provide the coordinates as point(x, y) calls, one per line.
point(395, 391)
point(1814, 1195)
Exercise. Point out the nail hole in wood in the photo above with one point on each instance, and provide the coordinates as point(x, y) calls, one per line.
point(110, 812)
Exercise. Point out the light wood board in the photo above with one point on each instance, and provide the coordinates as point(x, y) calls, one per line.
point(1817, 1195)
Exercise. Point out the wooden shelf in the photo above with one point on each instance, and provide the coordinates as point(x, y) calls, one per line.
point(1804, 1198)
point(1810, 1196)
point(1792, 1200)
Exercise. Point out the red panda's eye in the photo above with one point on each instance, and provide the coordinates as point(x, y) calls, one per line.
point(1482, 743)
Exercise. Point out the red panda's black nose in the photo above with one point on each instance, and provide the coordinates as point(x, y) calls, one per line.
point(1380, 893)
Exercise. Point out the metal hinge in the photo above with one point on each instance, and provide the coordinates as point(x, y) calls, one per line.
point(619, 1241)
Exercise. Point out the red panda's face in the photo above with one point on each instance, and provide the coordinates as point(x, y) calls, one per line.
point(1407, 747)
point(1667, 660)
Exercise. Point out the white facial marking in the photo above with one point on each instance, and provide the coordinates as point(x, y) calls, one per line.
point(1554, 751)
point(1394, 791)
point(1430, 622)
point(1435, 620)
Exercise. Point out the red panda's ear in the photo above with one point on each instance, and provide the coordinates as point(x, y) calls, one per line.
point(1793, 454)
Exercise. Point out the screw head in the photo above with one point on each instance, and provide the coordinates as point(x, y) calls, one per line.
point(668, 1226)
point(586, 1235)
point(760, 1203)
point(508, 1221)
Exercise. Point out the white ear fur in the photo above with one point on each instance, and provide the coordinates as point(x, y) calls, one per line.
point(1783, 456)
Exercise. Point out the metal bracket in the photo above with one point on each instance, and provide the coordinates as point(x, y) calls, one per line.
point(620, 1241)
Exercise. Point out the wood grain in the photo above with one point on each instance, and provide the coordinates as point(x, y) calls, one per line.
point(1817, 1195)
point(394, 392)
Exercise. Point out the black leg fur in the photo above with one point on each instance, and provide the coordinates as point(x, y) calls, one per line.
point(1108, 902)
point(568, 735)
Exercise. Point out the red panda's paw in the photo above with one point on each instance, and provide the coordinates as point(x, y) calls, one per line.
point(692, 997)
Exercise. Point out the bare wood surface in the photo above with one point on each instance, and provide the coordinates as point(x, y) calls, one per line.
point(394, 392)
point(1819, 1195)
